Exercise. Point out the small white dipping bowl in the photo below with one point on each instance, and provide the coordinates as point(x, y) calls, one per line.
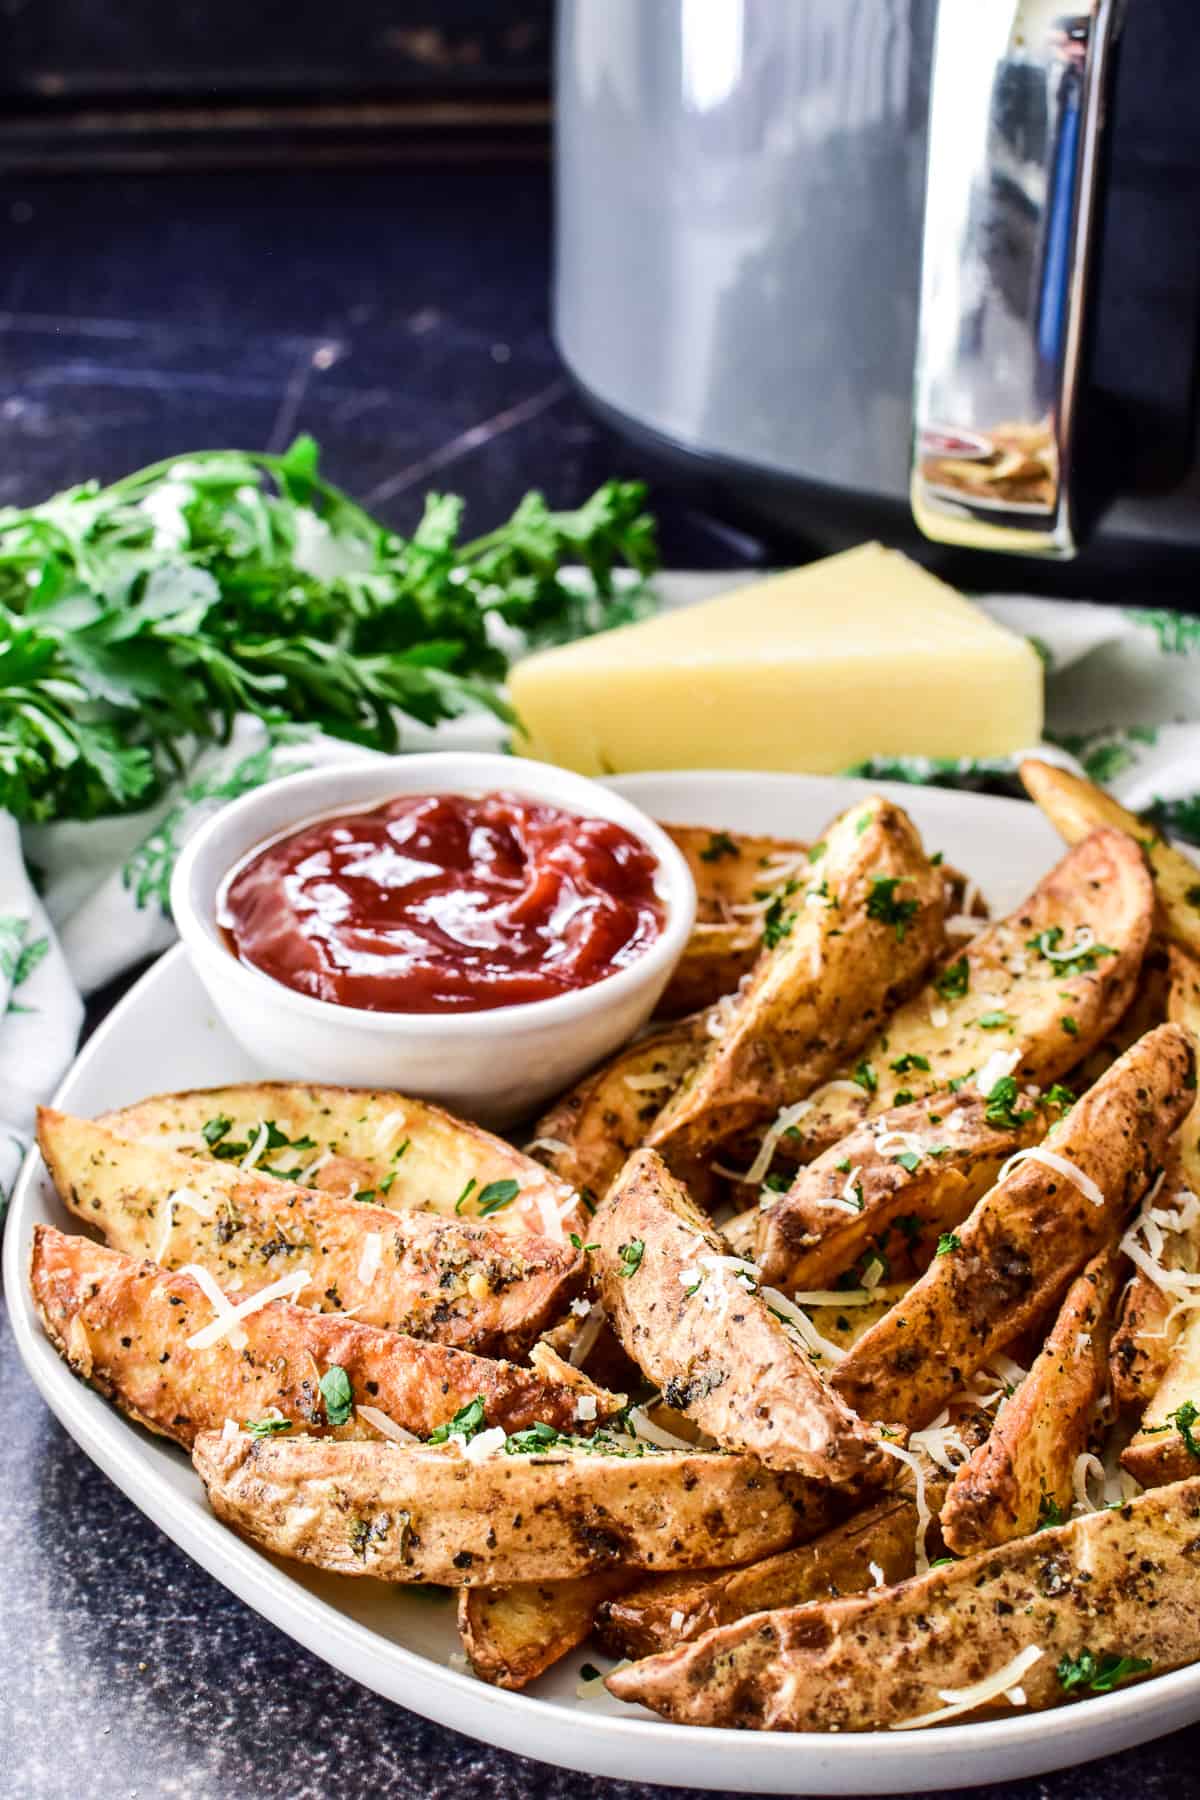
point(495, 1066)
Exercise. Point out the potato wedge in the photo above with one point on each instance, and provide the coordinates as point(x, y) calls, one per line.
point(860, 936)
point(664, 1610)
point(514, 1634)
point(1076, 807)
point(586, 1136)
point(416, 1513)
point(1004, 995)
point(736, 877)
point(453, 1281)
point(124, 1325)
point(1167, 1444)
point(700, 1330)
point(1153, 1311)
point(1022, 1476)
point(394, 1150)
point(1111, 1584)
point(1026, 1239)
point(925, 1163)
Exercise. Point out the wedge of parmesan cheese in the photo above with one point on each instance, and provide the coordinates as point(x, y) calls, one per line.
point(864, 654)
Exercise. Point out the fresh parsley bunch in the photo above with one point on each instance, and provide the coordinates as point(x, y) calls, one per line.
point(138, 620)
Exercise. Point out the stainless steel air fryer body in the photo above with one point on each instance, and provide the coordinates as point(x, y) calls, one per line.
point(759, 275)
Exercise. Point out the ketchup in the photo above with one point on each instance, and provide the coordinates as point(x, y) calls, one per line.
point(444, 903)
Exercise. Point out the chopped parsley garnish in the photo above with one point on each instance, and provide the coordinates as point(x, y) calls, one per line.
point(216, 1129)
point(227, 1149)
point(1046, 943)
point(468, 1420)
point(778, 1183)
point(882, 904)
point(908, 1159)
point(843, 1167)
point(903, 1097)
point(1059, 1096)
point(816, 853)
point(465, 1195)
point(337, 1394)
point(1099, 1673)
point(1183, 1418)
point(908, 1061)
point(397, 1154)
point(631, 1255)
point(539, 1436)
point(261, 1428)
point(948, 1243)
point(1069, 1025)
point(579, 1243)
point(937, 859)
point(954, 980)
point(719, 844)
point(1050, 1513)
point(994, 1021)
point(497, 1194)
point(778, 918)
point(385, 1186)
point(865, 1076)
point(858, 1202)
point(1001, 1106)
point(910, 1226)
point(589, 1672)
point(364, 1195)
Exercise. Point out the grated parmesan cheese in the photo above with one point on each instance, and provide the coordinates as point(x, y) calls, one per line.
point(1085, 1466)
point(645, 1428)
point(589, 1331)
point(386, 1427)
point(784, 1120)
point(963, 1700)
point(924, 1516)
point(647, 1083)
point(585, 1408)
point(551, 1145)
point(877, 1576)
point(484, 1445)
point(677, 1620)
point(999, 1064)
point(888, 1141)
point(835, 1297)
point(387, 1128)
point(227, 1323)
point(549, 1214)
point(939, 1018)
point(372, 1256)
point(1061, 1166)
point(873, 1273)
point(256, 1149)
point(791, 1314)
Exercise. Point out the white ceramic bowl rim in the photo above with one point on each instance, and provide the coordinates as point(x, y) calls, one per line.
point(447, 772)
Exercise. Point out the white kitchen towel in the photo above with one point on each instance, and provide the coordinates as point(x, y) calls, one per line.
point(79, 903)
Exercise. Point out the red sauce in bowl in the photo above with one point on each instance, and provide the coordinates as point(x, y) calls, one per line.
point(444, 903)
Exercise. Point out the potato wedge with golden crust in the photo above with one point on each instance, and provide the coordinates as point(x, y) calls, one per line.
point(699, 1329)
point(514, 1634)
point(664, 1610)
point(1114, 1584)
point(1022, 1476)
point(1153, 1312)
point(124, 1325)
point(453, 1281)
point(417, 1513)
point(1009, 991)
point(1076, 807)
point(1026, 1239)
point(1167, 1444)
point(861, 933)
point(926, 1163)
point(586, 1136)
point(397, 1152)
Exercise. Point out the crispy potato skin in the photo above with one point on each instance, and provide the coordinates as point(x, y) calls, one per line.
point(452, 1281)
point(1110, 1582)
point(664, 1610)
point(840, 966)
point(806, 1238)
point(1076, 807)
point(123, 1326)
point(1147, 1333)
point(1159, 1452)
point(728, 869)
point(514, 1634)
point(418, 1513)
point(1103, 884)
point(373, 1137)
point(1025, 1240)
point(602, 1119)
point(719, 1355)
point(1030, 1456)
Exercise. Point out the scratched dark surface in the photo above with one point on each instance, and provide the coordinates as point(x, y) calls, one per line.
point(401, 317)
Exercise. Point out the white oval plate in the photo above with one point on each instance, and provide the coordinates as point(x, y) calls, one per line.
point(164, 1035)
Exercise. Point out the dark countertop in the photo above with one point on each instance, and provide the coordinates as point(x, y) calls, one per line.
point(400, 316)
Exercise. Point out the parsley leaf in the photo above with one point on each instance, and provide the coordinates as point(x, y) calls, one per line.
point(1046, 944)
point(261, 1428)
point(468, 1420)
point(1183, 1418)
point(1001, 1109)
point(865, 1076)
point(631, 1255)
point(948, 1243)
point(719, 844)
point(1050, 1513)
point(1099, 1673)
point(215, 1129)
point(778, 918)
point(994, 1021)
point(468, 1190)
point(908, 1159)
point(496, 1195)
point(908, 1061)
point(882, 904)
point(954, 980)
point(337, 1394)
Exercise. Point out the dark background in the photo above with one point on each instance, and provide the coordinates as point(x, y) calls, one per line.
point(223, 225)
